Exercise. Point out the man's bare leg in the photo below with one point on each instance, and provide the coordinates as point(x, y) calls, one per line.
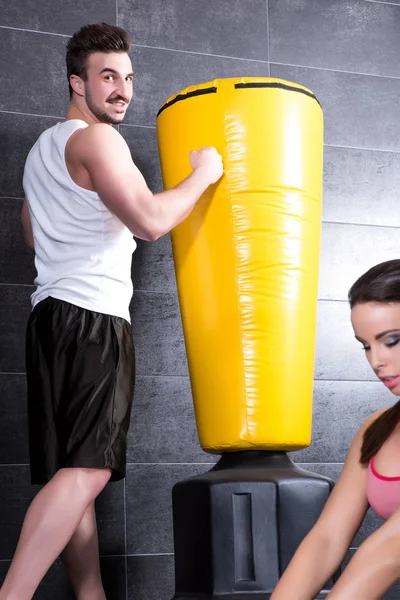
point(49, 524)
point(81, 559)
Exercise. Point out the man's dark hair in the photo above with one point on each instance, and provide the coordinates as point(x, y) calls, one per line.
point(98, 37)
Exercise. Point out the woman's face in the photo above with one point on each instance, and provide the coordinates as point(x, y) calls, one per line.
point(377, 326)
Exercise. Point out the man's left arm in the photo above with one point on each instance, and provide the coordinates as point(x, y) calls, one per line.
point(26, 225)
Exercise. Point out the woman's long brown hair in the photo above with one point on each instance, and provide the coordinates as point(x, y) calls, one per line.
point(379, 284)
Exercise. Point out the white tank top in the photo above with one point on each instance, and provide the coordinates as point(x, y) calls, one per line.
point(83, 253)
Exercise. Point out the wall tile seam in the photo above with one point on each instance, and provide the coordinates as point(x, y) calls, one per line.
point(169, 464)
point(345, 223)
point(11, 197)
point(186, 464)
point(382, 2)
point(269, 62)
point(17, 284)
point(12, 373)
point(136, 125)
point(24, 114)
point(187, 377)
point(318, 463)
point(35, 31)
point(174, 293)
point(348, 380)
point(151, 554)
point(140, 45)
point(139, 555)
point(156, 376)
point(361, 148)
point(135, 464)
point(116, 555)
point(268, 39)
point(362, 74)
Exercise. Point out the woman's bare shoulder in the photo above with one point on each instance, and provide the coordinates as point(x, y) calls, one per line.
point(371, 418)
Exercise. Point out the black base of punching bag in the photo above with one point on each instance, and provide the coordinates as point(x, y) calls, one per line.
point(237, 526)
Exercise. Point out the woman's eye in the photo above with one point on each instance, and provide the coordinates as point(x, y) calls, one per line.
point(392, 342)
point(365, 348)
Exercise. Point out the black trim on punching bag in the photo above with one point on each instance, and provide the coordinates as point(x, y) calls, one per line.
point(179, 97)
point(275, 84)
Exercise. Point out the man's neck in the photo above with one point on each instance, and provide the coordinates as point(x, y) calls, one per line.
point(75, 112)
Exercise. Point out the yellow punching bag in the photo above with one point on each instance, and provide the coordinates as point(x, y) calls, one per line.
point(247, 257)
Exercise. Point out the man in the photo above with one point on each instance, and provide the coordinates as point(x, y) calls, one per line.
point(85, 200)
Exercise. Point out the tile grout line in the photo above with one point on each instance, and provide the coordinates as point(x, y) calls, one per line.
point(257, 60)
point(10, 373)
point(360, 224)
point(316, 379)
point(24, 114)
point(268, 39)
point(225, 56)
point(138, 464)
point(17, 284)
point(142, 126)
point(114, 555)
point(382, 2)
point(154, 554)
point(34, 31)
point(174, 293)
point(146, 46)
point(326, 145)
point(11, 112)
point(375, 381)
point(298, 462)
point(170, 464)
point(395, 77)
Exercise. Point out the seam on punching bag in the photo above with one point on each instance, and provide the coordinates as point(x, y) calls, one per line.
point(283, 86)
point(179, 97)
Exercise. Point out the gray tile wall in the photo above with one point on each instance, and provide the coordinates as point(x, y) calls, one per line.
point(347, 52)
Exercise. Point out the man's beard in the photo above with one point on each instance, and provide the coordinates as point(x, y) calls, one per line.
point(103, 117)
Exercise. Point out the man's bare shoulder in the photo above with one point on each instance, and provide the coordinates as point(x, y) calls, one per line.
point(95, 140)
point(98, 132)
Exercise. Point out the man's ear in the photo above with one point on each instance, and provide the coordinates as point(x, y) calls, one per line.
point(77, 85)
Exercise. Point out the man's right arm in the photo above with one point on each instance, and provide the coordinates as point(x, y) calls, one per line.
point(26, 225)
point(122, 188)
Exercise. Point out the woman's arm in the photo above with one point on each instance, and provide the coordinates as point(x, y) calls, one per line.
point(374, 567)
point(324, 548)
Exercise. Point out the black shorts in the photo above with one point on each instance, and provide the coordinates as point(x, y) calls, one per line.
point(80, 377)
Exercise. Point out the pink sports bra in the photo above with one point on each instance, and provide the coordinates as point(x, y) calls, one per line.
point(383, 492)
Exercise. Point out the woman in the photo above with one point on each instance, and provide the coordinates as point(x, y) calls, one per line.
point(371, 473)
